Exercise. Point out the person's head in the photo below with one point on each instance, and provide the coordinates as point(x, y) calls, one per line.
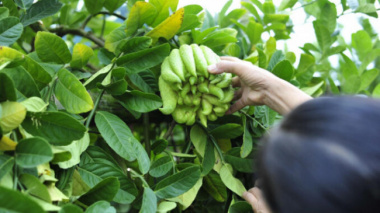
point(324, 157)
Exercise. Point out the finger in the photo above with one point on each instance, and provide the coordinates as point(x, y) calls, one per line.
point(238, 105)
point(251, 199)
point(237, 95)
point(226, 66)
point(236, 82)
point(229, 58)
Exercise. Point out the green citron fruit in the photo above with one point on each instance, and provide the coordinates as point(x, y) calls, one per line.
point(189, 93)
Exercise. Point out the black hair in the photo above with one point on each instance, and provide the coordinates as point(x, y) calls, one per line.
point(324, 157)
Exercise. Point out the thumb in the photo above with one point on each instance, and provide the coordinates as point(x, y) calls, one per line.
point(225, 66)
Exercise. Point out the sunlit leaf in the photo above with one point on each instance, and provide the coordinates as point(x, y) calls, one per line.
point(51, 48)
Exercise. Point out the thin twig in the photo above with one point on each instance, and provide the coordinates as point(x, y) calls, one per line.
point(254, 119)
point(62, 31)
point(170, 130)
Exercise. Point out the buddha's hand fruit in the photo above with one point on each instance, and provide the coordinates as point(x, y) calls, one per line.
point(188, 91)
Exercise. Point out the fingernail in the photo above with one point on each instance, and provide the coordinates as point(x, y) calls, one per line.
point(212, 68)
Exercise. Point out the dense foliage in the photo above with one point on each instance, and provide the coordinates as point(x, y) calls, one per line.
point(79, 125)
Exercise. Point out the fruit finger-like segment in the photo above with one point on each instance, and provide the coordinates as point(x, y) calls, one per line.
point(212, 117)
point(187, 56)
point(197, 100)
point(192, 80)
point(180, 115)
point(169, 97)
point(203, 87)
point(188, 100)
point(194, 89)
point(185, 90)
point(177, 64)
point(228, 96)
point(219, 110)
point(201, 79)
point(191, 118)
point(202, 118)
point(167, 73)
point(218, 78)
point(211, 99)
point(180, 100)
point(226, 81)
point(206, 107)
point(214, 90)
point(209, 55)
point(177, 86)
point(200, 60)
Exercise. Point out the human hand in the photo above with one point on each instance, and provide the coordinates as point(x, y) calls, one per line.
point(252, 80)
point(259, 87)
point(255, 198)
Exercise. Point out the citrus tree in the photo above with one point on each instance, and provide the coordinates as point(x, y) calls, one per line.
point(80, 127)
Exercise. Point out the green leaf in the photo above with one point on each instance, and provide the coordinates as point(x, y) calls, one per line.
point(333, 87)
point(220, 37)
point(144, 59)
point(24, 4)
point(72, 94)
point(6, 165)
point(161, 167)
point(163, 7)
point(135, 44)
point(14, 201)
point(120, 138)
point(191, 19)
point(178, 183)
point(51, 48)
point(12, 115)
point(140, 101)
point(113, 39)
point(254, 31)
point(35, 187)
point(112, 5)
point(376, 92)
point(245, 165)
point(323, 35)
point(56, 127)
point(349, 67)
point(40, 10)
point(140, 14)
point(227, 131)
point(41, 77)
point(240, 206)
point(284, 70)
point(362, 42)
point(168, 28)
point(10, 30)
point(10, 57)
point(223, 12)
point(32, 152)
point(95, 154)
point(23, 81)
point(247, 145)
point(94, 6)
point(101, 206)
point(230, 181)
point(367, 78)
point(208, 158)
point(166, 206)
point(97, 77)
point(199, 138)
point(105, 190)
point(286, 4)
point(235, 14)
point(7, 88)
point(351, 84)
point(328, 16)
point(215, 187)
point(188, 197)
point(276, 58)
point(4, 12)
point(93, 173)
point(310, 90)
point(252, 9)
point(368, 9)
point(149, 201)
point(81, 54)
point(268, 7)
point(34, 104)
point(76, 148)
point(71, 208)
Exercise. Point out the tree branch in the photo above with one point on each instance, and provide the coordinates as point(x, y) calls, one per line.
point(62, 31)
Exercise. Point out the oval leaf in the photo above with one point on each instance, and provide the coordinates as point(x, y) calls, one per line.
point(52, 48)
point(14, 201)
point(32, 152)
point(57, 128)
point(105, 190)
point(10, 30)
point(72, 94)
point(11, 115)
point(161, 167)
point(149, 202)
point(81, 54)
point(179, 183)
point(230, 181)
